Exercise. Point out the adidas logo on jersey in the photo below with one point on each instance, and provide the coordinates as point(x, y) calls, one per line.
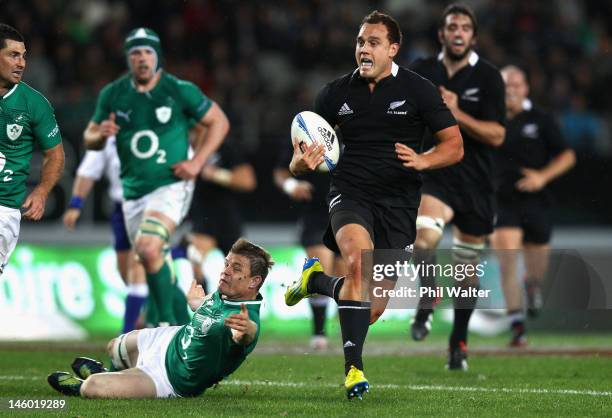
point(345, 110)
point(348, 344)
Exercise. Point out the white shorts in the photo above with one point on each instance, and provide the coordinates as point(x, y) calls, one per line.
point(9, 233)
point(152, 346)
point(172, 200)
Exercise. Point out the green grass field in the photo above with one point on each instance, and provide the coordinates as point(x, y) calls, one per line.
point(276, 383)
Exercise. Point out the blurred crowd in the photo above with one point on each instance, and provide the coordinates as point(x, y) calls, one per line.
point(264, 61)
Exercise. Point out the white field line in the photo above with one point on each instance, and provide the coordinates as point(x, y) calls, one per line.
point(388, 386)
point(441, 388)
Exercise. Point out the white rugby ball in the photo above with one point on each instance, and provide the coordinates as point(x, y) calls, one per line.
point(307, 128)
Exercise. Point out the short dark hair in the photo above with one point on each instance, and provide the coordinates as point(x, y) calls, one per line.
point(394, 33)
point(9, 32)
point(259, 259)
point(459, 9)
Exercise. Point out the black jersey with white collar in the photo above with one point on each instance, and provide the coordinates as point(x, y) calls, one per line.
point(400, 109)
point(481, 94)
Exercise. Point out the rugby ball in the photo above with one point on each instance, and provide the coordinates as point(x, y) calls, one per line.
point(307, 128)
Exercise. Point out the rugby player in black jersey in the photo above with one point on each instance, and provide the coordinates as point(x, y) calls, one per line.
point(533, 154)
point(474, 92)
point(382, 112)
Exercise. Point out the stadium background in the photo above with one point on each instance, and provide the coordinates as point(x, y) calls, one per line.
point(263, 62)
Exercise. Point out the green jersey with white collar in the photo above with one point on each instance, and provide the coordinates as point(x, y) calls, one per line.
point(26, 118)
point(153, 128)
point(203, 352)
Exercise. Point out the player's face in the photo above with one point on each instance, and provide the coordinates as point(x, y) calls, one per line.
point(374, 52)
point(236, 281)
point(457, 36)
point(143, 62)
point(12, 61)
point(517, 89)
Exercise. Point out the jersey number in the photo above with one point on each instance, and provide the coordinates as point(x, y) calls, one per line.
point(153, 146)
point(2, 170)
point(186, 340)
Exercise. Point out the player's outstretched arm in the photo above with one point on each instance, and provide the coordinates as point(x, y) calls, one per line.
point(243, 329)
point(195, 295)
point(95, 135)
point(52, 169)
point(448, 152)
point(241, 178)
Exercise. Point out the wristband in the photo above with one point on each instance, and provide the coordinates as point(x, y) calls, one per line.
point(222, 176)
point(76, 202)
point(289, 185)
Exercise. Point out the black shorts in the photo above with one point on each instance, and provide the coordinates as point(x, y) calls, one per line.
point(312, 226)
point(224, 226)
point(390, 226)
point(528, 213)
point(474, 211)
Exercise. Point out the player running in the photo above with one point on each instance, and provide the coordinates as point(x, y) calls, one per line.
point(382, 111)
point(149, 112)
point(183, 360)
point(26, 118)
point(533, 154)
point(474, 92)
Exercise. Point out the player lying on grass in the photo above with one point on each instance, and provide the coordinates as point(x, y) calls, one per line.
point(182, 360)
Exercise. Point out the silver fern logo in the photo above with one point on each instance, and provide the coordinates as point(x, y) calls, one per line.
point(395, 105)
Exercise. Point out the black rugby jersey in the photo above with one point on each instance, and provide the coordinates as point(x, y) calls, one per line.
point(399, 109)
point(213, 195)
point(533, 138)
point(481, 94)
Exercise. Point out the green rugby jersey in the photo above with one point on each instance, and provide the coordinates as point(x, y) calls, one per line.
point(154, 127)
point(26, 117)
point(203, 352)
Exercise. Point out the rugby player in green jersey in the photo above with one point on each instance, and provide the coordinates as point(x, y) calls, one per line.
point(182, 361)
point(149, 112)
point(26, 118)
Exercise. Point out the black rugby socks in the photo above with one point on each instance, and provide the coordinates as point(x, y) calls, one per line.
point(354, 323)
point(322, 284)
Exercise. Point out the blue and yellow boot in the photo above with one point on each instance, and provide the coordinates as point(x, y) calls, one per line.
point(84, 367)
point(65, 383)
point(356, 384)
point(299, 289)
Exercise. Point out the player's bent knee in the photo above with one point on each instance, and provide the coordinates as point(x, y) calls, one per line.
point(430, 223)
point(429, 231)
point(148, 251)
point(119, 353)
point(466, 252)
